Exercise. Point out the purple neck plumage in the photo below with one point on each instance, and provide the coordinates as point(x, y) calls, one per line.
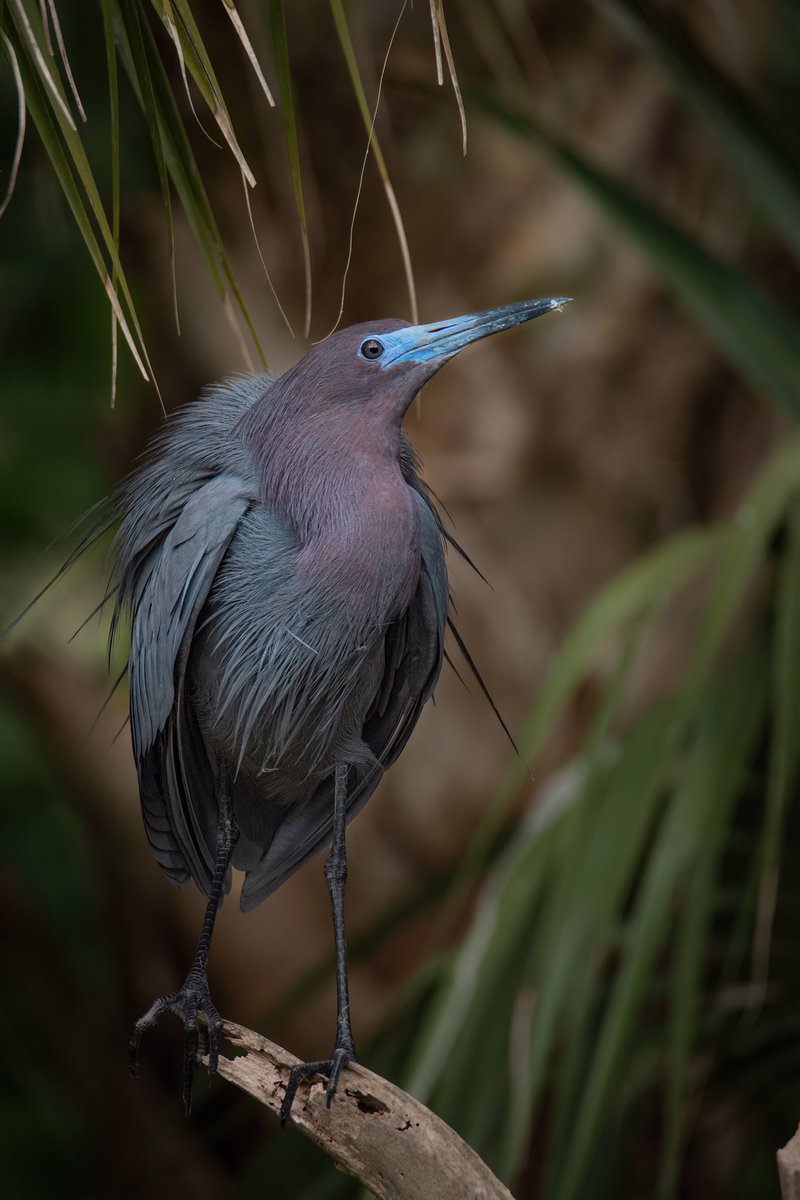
point(331, 469)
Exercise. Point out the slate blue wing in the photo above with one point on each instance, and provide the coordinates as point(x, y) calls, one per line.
point(172, 586)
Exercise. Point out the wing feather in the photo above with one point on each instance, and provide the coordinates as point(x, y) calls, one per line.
point(172, 587)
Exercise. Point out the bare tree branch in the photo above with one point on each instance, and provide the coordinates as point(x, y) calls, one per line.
point(389, 1141)
point(789, 1168)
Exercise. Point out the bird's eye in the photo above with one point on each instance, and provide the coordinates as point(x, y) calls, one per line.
point(371, 348)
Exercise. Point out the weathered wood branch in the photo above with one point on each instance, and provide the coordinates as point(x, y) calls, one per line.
point(393, 1144)
point(789, 1168)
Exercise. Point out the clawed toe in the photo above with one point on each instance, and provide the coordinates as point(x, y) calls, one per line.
point(214, 1038)
point(193, 998)
point(330, 1067)
point(339, 1060)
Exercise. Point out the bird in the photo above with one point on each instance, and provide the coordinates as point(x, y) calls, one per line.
point(282, 568)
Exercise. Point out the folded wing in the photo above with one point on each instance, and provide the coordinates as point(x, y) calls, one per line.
point(172, 584)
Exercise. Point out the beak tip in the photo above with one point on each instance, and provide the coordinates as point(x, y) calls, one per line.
point(558, 303)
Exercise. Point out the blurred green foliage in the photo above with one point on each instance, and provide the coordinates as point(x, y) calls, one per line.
point(627, 981)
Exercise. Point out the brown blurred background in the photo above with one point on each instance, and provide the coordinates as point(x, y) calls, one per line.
point(561, 452)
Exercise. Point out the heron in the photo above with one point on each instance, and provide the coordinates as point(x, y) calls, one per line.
point(281, 564)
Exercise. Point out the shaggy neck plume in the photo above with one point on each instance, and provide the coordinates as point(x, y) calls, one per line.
point(334, 475)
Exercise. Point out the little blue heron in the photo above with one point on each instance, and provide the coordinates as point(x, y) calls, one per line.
point(283, 567)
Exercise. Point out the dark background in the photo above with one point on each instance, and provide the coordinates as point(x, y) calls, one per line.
point(563, 451)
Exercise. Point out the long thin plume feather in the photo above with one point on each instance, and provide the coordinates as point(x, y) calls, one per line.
point(461, 552)
point(468, 659)
point(108, 698)
point(448, 658)
point(97, 609)
point(94, 534)
point(121, 730)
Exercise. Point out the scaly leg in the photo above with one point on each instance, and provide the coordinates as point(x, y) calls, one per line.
point(193, 996)
point(344, 1050)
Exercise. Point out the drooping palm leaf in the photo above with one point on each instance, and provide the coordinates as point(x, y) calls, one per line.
point(765, 162)
point(280, 45)
point(750, 329)
point(617, 868)
point(368, 118)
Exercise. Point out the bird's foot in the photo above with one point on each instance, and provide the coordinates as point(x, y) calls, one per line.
point(192, 998)
point(332, 1067)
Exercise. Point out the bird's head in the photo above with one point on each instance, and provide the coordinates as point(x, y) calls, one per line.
point(394, 354)
point(346, 398)
point(378, 367)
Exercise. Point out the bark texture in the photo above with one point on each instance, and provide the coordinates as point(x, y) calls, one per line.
point(394, 1145)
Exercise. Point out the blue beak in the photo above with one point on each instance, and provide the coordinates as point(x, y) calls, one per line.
point(439, 341)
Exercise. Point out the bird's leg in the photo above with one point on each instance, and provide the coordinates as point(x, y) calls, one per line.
point(336, 874)
point(344, 1050)
point(193, 996)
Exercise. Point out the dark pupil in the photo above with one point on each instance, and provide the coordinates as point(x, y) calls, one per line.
point(372, 348)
